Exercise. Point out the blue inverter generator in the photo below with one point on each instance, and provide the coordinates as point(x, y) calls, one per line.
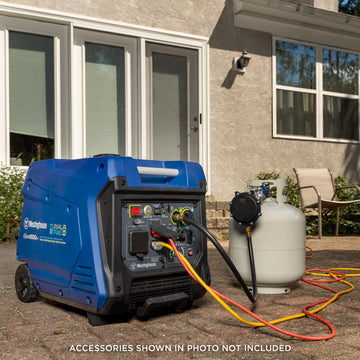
point(90, 229)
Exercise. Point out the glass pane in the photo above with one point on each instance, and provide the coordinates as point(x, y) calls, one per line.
point(296, 113)
point(105, 99)
point(170, 107)
point(295, 65)
point(341, 118)
point(31, 83)
point(340, 72)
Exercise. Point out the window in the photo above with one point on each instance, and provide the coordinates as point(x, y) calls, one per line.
point(155, 119)
point(105, 99)
point(31, 83)
point(34, 106)
point(173, 110)
point(106, 66)
point(341, 94)
point(317, 92)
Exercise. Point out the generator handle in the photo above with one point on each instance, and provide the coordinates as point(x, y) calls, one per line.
point(154, 171)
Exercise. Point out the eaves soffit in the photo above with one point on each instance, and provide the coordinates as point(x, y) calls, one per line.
point(273, 16)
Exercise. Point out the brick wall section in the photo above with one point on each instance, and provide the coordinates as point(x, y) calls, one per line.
point(217, 218)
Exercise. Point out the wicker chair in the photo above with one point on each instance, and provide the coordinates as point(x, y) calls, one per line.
point(317, 190)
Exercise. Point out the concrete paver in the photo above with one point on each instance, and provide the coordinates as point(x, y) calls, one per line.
point(48, 330)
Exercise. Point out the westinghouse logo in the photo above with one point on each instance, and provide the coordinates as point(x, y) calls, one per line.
point(34, 224)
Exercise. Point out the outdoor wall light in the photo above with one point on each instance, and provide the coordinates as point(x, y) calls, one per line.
point(240, 63)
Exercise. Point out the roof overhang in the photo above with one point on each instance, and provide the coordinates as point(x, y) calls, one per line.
point(291, 19)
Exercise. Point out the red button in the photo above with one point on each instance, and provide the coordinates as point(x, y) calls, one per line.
point(190, 253)
point(135, 211)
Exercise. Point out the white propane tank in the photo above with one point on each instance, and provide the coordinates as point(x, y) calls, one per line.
point(278, 239)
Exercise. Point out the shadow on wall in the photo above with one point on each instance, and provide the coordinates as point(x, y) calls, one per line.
point(227, 36)
point(352, 162)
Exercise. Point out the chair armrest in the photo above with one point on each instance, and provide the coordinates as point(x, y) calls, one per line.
point(310, 186)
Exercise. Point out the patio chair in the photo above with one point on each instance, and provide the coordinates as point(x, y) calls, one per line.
point(317, 190)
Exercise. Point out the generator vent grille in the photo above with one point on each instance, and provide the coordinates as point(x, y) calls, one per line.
point(83, 280)
point(142, 289)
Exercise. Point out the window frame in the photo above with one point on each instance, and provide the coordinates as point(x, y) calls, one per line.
point(81, 37)
point(192, 88)
point(61, 70)
point(318, 91)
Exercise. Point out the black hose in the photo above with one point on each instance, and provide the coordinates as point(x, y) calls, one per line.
point(252, 266)
point(189, 220)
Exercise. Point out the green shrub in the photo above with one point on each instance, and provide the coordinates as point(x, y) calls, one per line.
point(268, 176)
point(11, 201)
point(349, 215)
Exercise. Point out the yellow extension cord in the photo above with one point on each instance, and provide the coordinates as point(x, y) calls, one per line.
point(232, 312)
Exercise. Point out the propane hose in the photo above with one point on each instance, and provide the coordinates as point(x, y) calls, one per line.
point(187, 219)
point(252, 262)
point(330, 273)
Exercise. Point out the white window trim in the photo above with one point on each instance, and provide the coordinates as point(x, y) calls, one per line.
point(177, 51)
point(79, 96)
point(318, 92)
point(4, 136)
point(60, 35)
point(143, 34)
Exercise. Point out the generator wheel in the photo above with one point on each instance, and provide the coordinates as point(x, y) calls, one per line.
point(25, 289)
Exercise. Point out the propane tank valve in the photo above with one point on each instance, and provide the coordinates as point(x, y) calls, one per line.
point(245, 208)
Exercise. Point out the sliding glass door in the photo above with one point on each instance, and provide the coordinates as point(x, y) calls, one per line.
point(173, 106)
point(105, 99)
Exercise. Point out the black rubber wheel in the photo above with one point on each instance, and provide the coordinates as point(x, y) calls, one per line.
point(25, 289)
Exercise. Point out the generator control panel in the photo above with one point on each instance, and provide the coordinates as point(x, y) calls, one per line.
point(141, 250)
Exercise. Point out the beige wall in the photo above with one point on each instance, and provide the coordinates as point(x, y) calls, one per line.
point(331, 5)
point(241, 143)
point(189, 16)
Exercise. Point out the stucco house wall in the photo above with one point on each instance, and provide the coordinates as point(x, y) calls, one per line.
point(241, 141)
